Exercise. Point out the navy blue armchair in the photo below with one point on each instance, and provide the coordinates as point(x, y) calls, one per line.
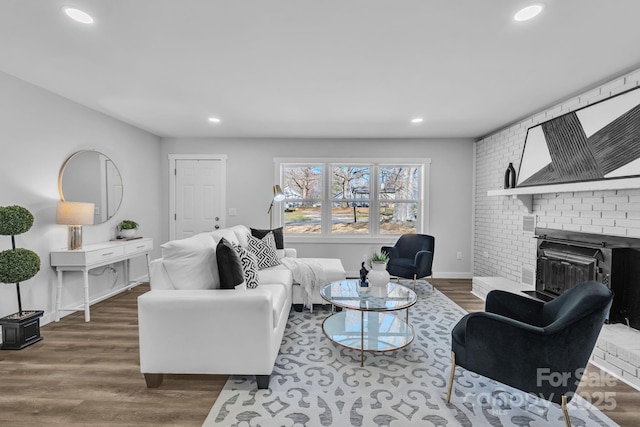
point(527, 344)
point(411, 257)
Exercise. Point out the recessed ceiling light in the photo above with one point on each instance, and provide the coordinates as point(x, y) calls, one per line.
point(528, 12)
point(417, 120)
point(78, 15)
point(214, 120)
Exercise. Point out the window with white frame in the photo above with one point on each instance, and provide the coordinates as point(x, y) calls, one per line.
point(353, 197)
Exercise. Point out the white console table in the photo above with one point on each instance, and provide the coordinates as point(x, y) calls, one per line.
point(94, 256)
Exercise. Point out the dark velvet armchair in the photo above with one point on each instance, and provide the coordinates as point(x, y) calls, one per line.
point(411, 257)
point(527, 344)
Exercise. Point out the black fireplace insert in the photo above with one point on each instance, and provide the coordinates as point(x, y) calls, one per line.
point(567, 258)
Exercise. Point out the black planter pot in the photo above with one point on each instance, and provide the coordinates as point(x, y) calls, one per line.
point(18, 333)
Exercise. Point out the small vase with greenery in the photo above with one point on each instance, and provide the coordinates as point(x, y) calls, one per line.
point(379, 258)
point(378, 276)
point(17, 264)
point(128, 228)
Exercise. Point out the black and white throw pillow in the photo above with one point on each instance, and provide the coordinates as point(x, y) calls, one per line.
point(265, 250)
point(249, 267)
point(278, 234)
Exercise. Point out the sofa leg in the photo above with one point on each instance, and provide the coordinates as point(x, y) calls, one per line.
point(263, 381)
point(298, 307)
point(453, 371)
point(153, 380)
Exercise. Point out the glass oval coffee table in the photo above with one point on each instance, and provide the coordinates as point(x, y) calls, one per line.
point(368, 322)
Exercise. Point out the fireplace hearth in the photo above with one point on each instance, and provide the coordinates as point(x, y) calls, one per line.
point(566, 259)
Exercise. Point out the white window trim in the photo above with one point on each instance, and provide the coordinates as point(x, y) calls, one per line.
point(425, 205)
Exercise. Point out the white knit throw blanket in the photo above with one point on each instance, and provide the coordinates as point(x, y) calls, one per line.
point(309, 274)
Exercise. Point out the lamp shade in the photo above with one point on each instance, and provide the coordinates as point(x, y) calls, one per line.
point(278, 195)
point(74, 213)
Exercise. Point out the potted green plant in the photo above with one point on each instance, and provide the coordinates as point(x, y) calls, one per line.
point(18, 265)
point(379, 258)
point(128, 228)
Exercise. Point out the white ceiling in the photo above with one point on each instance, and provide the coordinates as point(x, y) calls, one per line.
point(318, 68)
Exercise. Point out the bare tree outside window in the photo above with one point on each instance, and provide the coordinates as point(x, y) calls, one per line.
point(350, 194)
point(399, 187)
point(302, 187)
point(345, 206)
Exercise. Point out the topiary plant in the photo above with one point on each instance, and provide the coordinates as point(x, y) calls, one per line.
point(16, 265)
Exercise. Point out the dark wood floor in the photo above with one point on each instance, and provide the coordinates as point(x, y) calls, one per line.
point(87, 374)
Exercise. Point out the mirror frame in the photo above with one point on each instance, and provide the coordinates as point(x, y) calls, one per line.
point(74, 156)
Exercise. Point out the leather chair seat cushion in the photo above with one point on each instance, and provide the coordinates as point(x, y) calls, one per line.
point(279, 295)
point(331, 267)
point(403, 267)
point(276, 274)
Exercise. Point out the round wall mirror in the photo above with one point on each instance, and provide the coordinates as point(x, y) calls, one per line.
point(90, 176)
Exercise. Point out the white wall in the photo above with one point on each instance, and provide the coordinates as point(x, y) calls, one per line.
point(38, 131)
point(501, 248)
point(250, 176)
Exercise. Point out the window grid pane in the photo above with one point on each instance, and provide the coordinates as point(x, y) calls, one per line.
point(350, 218)
point(388, 205)
point(398, 218)
point(302, 187)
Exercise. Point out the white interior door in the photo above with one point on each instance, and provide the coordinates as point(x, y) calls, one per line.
point(199, 196)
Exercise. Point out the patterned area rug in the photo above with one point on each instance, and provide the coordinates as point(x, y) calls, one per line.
point(318, 383)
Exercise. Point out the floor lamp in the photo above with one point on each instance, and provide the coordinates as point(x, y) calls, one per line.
point(278, 196)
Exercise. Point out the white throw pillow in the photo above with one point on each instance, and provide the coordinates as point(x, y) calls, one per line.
point(226, 234)
point(191, 262)
point(242, 234)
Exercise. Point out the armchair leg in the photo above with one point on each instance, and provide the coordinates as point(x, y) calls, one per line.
point(565, 411)
point(453, 371)
point(414, 282)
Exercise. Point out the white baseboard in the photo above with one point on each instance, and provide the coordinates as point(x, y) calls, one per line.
point(452, 275)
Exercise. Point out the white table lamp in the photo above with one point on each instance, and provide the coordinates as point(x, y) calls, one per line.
point(75, 215)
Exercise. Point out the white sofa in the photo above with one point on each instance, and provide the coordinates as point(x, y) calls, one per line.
point(187, 329)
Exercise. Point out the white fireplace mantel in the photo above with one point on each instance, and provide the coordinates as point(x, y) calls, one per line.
point(525, 194)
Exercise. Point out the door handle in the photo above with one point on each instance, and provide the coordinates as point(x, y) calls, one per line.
point(217, 227)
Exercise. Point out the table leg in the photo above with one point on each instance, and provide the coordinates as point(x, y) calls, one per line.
point(148, 267)
point(87, 313)
point(361, 339)
point(59, 296)
point(127, 274)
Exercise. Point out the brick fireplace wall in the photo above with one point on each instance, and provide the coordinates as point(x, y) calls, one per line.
point(501, 248)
